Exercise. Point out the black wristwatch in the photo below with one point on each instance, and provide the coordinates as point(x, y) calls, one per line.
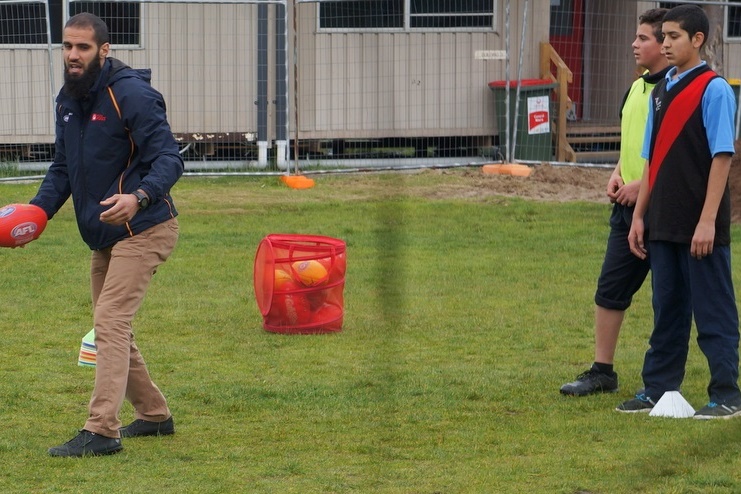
point(142, 198)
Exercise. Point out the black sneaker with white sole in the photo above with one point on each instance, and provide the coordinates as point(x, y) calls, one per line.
point(590, 382)
point(641, 403)
point(715, 410)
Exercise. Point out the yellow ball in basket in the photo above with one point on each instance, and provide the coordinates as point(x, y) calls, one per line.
point(281, 278)
point(310, 273)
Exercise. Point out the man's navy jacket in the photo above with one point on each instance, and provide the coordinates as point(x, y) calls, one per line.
point(115, 141)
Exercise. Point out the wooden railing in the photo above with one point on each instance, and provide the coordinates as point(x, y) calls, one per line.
point(548, 58)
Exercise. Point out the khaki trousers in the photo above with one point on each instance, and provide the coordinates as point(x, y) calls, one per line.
point(119, 278)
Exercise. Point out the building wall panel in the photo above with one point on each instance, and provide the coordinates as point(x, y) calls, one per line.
point(350, 84)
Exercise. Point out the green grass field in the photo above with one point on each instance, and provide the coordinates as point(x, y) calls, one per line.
point(463, 316)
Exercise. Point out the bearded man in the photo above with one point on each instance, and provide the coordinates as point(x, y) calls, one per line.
point(115, 155)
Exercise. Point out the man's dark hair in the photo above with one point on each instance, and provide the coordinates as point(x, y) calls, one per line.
point(690, 18)
point(654, 17)
point(86, 20)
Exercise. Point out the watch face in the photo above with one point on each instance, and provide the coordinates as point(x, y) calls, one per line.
point(143, 199)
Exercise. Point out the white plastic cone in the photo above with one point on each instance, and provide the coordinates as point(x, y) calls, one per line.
point(673, 405)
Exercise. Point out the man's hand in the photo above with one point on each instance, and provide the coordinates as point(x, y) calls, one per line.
point(122, 210)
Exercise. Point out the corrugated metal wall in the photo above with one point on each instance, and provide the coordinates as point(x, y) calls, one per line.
point(203, 59)
point(365, 85)
point(27, 105)
point(350, 85)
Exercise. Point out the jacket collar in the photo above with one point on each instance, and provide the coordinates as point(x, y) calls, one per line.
point(655, 77)
point(104, 72)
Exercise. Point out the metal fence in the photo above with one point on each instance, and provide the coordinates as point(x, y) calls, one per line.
point(274, 85)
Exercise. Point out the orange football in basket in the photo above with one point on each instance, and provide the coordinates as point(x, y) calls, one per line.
point(316, 297)
point(335, 269)
point(289, 309)
point(310, 273)
point(328, 316)
point(281, 278)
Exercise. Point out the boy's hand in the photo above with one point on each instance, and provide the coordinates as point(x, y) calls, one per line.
point(635, 238)
point(703, 239)
point(627, 195)
point(613, 186)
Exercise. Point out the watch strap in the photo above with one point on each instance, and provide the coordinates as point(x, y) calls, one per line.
point(142, 199)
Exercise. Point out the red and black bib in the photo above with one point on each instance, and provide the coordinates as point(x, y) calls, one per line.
point(680, 160)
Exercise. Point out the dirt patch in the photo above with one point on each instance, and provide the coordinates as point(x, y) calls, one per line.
point(546, 183)
point(560, 184)
point(567, 183)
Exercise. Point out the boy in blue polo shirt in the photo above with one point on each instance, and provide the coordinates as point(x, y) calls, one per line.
point(684, 201)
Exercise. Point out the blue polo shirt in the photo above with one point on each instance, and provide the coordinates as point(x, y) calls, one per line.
point(718, 114)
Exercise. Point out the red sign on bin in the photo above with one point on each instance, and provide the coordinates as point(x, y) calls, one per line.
point(538, 115)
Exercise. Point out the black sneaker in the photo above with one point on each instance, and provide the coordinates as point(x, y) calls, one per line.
point(641, 403)
point(140, 428)
point(87, 443)
point(590, 382)
point(718, 411)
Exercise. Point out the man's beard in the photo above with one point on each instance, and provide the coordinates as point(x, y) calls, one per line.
point(79, 87)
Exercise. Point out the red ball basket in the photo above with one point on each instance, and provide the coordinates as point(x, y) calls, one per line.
point(299, 282)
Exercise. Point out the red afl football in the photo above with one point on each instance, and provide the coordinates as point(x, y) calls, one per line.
point(20, 224)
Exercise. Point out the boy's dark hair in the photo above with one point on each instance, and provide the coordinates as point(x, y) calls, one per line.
point(87, 20)
point(654, 17)
point(690, 18)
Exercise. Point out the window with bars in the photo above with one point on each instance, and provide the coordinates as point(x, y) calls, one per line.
point(407, 14)
point(25, 23)
point(733, 23)
point(122, 19)
point(363, 14)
